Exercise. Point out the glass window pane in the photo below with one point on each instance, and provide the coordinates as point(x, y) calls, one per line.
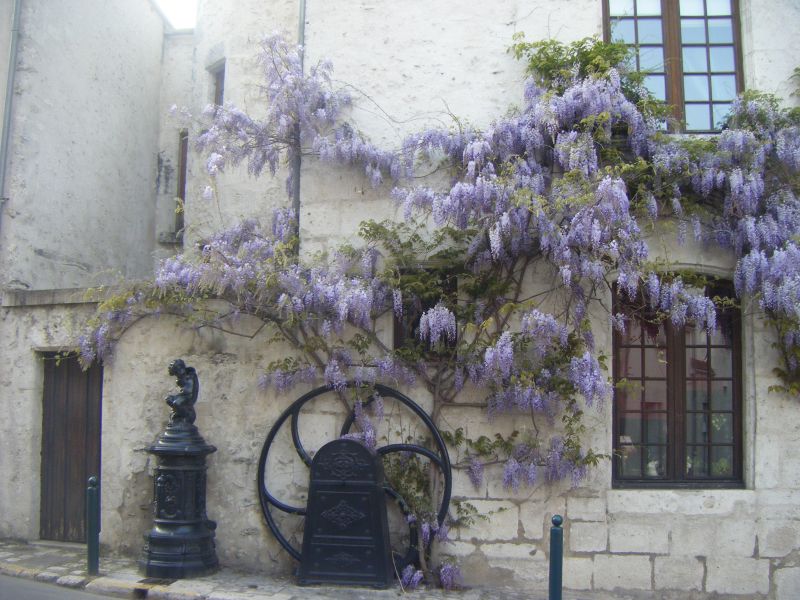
point(630, 362)
point(722, 461)
point(698, 117)
point(719, 7)
point(693, 31)
point(630, 429)
point(629, 395)
point(623, 30)
point(648, 7)
point(649, 31)
point(721, 362)
point(655, 395)
point(696, 428)
point(696, 461)
point(656, 85)
point(651, 58)
point(655, 429)
point(632, 334)
point(721, 58)
point(692, 8)
point(720, 31)
point(723, 87)
point(722, 428)
point(620, 7)
point(655, 362)
point(656, 461)
point(696, 392)
point(695, 87)
point(695, 336)
point(695, 60)
point(721, 111)
point(721, 395)
point(630, 463)
point(655, 334)
point(696, 362)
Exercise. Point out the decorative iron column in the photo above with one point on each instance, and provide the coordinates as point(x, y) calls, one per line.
point(181, 542)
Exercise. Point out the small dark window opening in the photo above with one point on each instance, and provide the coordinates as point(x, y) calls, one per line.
point(219, 84)
point(183, 155)
point(406, 329)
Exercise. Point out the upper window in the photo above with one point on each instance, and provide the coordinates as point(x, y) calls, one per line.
point(218, 75)
point(689, 49)
point(678, 402)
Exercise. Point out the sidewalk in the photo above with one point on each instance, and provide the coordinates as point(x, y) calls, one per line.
point(65, 564)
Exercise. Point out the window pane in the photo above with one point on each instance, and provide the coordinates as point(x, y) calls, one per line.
point(696, 461)
point(655, 395)
point(651, 58)
point(656, 85)
point(620, 7)
point(695, 87)
point(694, 60)
point(719, 7)
point(656, 461)
point(655, 334)
point(630, 362)
point(632, 334)
point(693, 31)
point(721, 359)
point(720, 112)
point(630, 463)
point(696, 428)
point(655, 362)
point(723, 87)
point(697, 117)
point(721, 395)
point(696, 363)
point(655, 429)
point(629, 395)
point(649, 31)
point(692, 8)
point(630, 429)
point(696, 392)
point(624, 30)
point(720, 31)
point(695, 336)
point(721, 58)
point(722, 429)
point(722, 461)
point(648, 7)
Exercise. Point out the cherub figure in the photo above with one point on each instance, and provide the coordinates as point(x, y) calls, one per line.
point(182, 404)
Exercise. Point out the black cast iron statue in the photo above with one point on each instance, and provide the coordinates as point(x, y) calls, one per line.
point(181, 542)
point(182, 404)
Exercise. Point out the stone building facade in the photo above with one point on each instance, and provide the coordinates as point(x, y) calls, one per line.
point(91, 175)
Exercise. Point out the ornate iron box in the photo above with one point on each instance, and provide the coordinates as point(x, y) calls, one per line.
point(346, 537)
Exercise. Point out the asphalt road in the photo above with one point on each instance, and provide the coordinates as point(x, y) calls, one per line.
point(15, 588)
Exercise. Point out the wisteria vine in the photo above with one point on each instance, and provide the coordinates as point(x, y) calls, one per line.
point(559, 188)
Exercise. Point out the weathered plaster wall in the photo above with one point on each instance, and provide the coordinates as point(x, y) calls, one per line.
point(81, 175)
point(770, 47)
point(25, 331)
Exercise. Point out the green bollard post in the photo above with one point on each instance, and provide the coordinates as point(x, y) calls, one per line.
point(93, 527)
point(556, 557)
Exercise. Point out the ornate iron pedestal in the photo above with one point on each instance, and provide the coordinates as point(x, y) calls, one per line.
point(181, 542)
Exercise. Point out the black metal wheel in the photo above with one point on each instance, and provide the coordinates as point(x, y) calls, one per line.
point(437, 456)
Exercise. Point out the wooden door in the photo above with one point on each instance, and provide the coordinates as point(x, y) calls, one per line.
point(70, 445)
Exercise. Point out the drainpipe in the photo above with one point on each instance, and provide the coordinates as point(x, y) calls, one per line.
point(301, 40)
point(12, 70)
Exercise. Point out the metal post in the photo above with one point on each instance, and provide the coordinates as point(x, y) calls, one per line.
point(556, 557)
point(93, 527)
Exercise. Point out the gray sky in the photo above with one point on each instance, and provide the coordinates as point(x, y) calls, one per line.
point(181, 13)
